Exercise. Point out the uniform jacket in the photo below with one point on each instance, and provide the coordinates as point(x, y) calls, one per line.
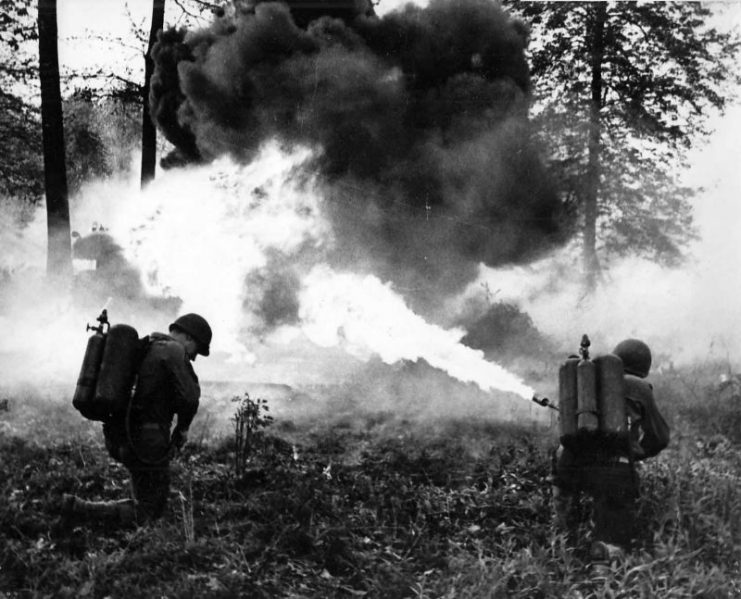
point(167, 385)
point(649, 432)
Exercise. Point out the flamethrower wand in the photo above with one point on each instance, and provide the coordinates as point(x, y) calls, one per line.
point(544, 401)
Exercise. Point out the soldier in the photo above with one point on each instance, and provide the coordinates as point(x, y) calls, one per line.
point(611, 478)
point(166, 386)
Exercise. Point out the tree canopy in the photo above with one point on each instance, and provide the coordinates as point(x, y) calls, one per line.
point(621, 91)
point(21, 166)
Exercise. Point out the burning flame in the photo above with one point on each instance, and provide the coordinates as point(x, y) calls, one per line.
point(365, 316)
point(199, 233)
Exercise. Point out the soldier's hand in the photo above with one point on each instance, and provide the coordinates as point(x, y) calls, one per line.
point(179, 438)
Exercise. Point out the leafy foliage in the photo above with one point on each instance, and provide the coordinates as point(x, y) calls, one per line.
point(664, 70)
point(375, 507)
point(21, 165)
point(505, 331)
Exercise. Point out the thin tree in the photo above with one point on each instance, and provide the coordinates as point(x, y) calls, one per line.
point(149, 132)
point(622, 90)
point(59, 254)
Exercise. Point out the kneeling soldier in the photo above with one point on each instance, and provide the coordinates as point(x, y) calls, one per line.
point(167, 386)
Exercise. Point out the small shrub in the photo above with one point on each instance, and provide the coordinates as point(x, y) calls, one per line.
point(250, 419)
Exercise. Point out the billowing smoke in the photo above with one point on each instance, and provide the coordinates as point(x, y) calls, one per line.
point(271, 294)
point(417, 122)
point(337, 176)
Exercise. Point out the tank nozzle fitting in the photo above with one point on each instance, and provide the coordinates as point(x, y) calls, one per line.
point(103, 320)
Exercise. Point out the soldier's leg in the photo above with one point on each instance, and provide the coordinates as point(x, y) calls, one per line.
point(566, 511)
point(150, 487)
point(566, 493)
point(114, 512)
point(615, 506)
point(150, 472)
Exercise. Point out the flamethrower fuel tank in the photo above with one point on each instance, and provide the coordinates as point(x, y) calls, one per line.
point(567, 402)
point(117, 371)
point(586, 390)
point(84, 396)
point(613, 420)
point(592, 414)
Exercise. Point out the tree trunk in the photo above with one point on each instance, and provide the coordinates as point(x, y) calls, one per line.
point(596, 44)
point(59, 252)
point(149, 133)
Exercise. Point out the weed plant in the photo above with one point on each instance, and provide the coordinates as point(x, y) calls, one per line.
point(376, 507)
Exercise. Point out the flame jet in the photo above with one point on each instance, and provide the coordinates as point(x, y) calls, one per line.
point(366, 317)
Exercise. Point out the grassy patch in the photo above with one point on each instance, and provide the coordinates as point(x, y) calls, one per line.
point(373, 506)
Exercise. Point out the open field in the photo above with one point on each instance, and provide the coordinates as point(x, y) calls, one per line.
point(369, 504)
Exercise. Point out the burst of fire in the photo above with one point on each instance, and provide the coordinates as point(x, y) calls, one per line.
point(201, 234)
point(365, 316)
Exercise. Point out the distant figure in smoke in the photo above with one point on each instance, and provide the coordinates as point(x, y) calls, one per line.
point(167, 386)
point(611, 478)
point(113, 274)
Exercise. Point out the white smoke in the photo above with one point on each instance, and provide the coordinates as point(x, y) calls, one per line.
point(686, 314)
point(197, 233)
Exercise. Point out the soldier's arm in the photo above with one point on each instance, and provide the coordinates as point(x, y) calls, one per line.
point(184, 384)
point(653, 431)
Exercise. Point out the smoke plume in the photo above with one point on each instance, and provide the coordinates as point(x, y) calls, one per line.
point(417, 122)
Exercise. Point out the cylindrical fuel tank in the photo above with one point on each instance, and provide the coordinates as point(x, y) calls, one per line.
point(586, 388)
point(84, 397)
point(117, 371)
point(567, 402)
point(613, 420)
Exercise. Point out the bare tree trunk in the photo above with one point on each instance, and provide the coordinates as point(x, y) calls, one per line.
point(59, 252)
point(149, 133)
point(596, 43)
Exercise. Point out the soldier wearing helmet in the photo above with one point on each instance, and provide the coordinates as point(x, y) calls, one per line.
point(636, 357)
point(167, 389)
point(610, 478)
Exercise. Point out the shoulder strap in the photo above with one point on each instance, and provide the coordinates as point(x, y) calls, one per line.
point(144, 344)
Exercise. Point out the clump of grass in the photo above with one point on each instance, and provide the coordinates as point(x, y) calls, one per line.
point(458, 509)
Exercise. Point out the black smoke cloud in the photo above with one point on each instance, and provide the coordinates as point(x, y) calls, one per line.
point(419, 119)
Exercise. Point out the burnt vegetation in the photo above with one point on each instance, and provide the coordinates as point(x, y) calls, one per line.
point(378, 505)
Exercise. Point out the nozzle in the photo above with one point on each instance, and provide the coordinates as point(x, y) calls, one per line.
point(543, 401)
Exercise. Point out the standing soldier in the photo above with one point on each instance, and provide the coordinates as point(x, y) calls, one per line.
point(167, 386)
point(610, 477)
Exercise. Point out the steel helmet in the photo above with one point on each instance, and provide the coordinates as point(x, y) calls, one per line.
point(197, 327)
point(636, 356)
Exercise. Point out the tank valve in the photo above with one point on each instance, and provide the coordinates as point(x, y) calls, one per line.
point(103, 320)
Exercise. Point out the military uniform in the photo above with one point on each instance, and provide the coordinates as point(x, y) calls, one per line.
point(167, 386)
point(610, 478)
